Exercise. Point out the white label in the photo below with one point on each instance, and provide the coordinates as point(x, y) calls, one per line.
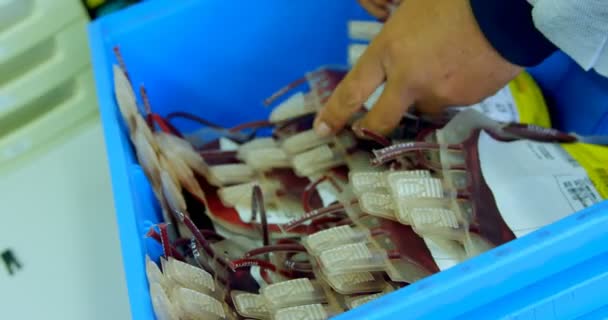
point(273, 216)
point(500, 107)
point(442, 259)
point(228, 145)
point(534, 183)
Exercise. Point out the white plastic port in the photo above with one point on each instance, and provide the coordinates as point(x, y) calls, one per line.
point(153, 272)
point(375, 181)
point(378, 204)
point(189, 276)
point(355, 51)
point(407, 187)
point(345, 141)
point(163, 308)
point(356, 257)
point(267, 159)
point(356, 282)
point(367, 181)
point(227, 174)
point(360, 300)
point(306, 312)
point(318, 159)
point(333, 237)
point(426, 217)
point(240, 194)
point(364, 30)
point(255, 144)
point(171, 190)
point(250, 305)
point(297, 105)
point(195, 305)
point(292, 293)
point(303, 141)
point(182, 149)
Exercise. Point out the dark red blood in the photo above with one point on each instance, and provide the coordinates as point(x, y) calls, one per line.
point(537, 133)
point(217, 210)
point(293, 126)
point(324, 82)
point(294, 186)
point(218, 157)
point(409, 244)
point(487, 220)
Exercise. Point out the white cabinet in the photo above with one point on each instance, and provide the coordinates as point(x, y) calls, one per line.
point(46, 85)
point(24, 23)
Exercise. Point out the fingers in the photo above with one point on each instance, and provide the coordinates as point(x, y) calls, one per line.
point(351, 93)
point(389, 110)
point(432, 105)
point(377, 8)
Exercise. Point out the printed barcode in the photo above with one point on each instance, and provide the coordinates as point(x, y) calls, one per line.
point(581, 192)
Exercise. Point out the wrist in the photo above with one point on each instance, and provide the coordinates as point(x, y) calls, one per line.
point(509, 28)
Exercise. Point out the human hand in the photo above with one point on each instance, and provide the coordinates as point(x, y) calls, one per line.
point(429, 53)
point(380, 9)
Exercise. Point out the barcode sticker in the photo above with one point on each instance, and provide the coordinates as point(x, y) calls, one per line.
point(534, 184)
point(580, 192)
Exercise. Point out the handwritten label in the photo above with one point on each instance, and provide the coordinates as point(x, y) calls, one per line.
point(11, 263)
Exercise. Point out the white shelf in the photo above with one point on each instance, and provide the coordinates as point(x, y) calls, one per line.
point(63, 56)
point(24, 23)
point(68, 106)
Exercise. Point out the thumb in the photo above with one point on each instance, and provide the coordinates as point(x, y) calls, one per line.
point(350, 94)
point(385, 116)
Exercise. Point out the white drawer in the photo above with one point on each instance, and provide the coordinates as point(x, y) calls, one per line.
point(53, 117)
point(59, 58)
point(24, 23)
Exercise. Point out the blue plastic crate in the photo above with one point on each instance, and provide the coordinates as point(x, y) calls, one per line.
point(221, 58)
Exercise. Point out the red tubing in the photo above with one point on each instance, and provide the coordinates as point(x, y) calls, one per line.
point(248, 262)
point(376, 137)
point(195, 118)
point(164, 240)
point(121, 61)
point(251, 125)
point(307, 194)
point(315, 214)
point(397, 150)
point(257, 204)
point(276, 248)
point(281, 92)
point(154, 235)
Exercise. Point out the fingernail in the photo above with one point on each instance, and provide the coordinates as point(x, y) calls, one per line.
point(322, 129)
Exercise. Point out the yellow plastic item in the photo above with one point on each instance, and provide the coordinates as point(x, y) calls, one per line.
point(94, 3)
point(61, 111)
point(594, 159)
point(529, 101)
point(24, 23)
point(61, 58)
